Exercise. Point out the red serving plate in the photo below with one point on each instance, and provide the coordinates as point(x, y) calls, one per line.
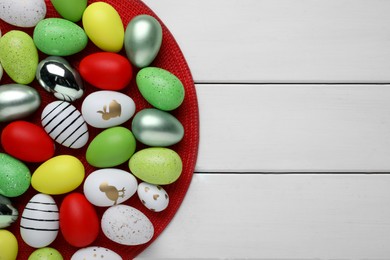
point(170, 58)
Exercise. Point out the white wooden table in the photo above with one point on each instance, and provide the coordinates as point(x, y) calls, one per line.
point(294, 148)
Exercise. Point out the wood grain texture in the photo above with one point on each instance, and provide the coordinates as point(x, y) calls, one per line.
point(240, 203)
point(310, 216)
point(294, 128)
point(281, 40)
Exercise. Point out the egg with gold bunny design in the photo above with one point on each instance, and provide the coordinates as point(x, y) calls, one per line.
point(103, 109)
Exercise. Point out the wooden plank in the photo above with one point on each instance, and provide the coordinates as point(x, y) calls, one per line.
point(294, 128)
point(343, 216)
point(281, 40)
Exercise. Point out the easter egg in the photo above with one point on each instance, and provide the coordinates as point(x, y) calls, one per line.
point(17, 101)
point(59, 37)
point(106, 70)
point(104, 26)
point(111, 147)
point(8, 245)
point(8, 213)
point(95, 252)
point(154, 197)
point(56, 76)
point(39, 224)
point(126, 225)
point(22, 13)
point(58, 175)
point(156, 165)
point(143, 37)
point(103, 109)
point(160, 88)
point(27, 142)
point(154, 127)
point(79, 222)
point(71, 10)
point(18, 56)
point(108, 187)
point(46, 253)
point(1, 70)
point(65, 124)
point(15, 177)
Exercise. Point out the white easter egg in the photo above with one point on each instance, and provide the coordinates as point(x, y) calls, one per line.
point(95, 252)
point(154, 197)
point(22, 13)
point(65, 124)
point(126, 225)
point(39, 224)
point(108, 187)
point(103, 109)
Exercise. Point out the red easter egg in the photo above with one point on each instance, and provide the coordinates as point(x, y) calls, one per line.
point(106, 70)
point(27, 142)
point(79, 222)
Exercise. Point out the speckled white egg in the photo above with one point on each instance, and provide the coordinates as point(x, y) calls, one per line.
point(106, 108)
point(154, 197)
point(40, 221)
point(95, 252)
point(126, 225)
point(22, 13)
point(108, 187)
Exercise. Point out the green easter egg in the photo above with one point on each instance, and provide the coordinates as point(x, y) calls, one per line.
point(156, 165)
point(160, 88)
point(15, 177)
point(71, 10)
point(111, 147)
point(45, 253)
point(19, 56)
point(59, 37)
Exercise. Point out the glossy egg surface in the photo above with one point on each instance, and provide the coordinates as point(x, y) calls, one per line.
point(79, 222)
point(27, 142)
point(106, 70)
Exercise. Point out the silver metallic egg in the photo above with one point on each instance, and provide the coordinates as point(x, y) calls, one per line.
point(57, 76)
point(8, 214)
point(154, 127)
point(17, 101)
point(143, 37)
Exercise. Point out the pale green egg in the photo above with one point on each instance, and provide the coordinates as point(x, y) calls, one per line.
point(46, 253)
point(160, 88)
point(18, 56)
point(156, 165)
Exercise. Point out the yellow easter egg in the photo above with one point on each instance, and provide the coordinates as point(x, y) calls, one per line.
point(8, 245)
point(59, 175)
point(104, 26)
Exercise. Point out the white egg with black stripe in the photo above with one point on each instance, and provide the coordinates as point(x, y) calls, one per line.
point(65, 124)
point(39, 223)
